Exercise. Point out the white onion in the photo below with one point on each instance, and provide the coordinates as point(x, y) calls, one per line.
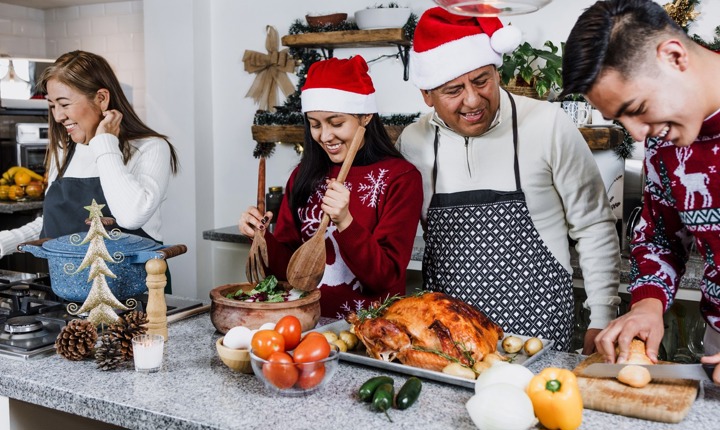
point(501, 407)
point(504, 373)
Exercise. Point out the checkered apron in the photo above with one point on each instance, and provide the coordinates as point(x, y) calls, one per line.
point(482, 247)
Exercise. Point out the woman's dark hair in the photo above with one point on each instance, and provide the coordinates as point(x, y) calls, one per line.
point(87, 73)
point(315, 163)
point(613, 34)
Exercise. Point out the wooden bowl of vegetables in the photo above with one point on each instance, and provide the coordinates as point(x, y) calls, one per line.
point(252, 305)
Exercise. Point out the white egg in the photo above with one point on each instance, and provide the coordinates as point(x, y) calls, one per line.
point(268, 326)
point(238, 338)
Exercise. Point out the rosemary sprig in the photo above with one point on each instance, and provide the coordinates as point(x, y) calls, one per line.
point(464, 351)
point(376, 309)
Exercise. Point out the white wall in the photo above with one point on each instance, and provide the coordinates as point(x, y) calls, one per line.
point(22, 31)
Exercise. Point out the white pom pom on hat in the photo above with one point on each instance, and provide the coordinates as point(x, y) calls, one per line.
point(506, 39)
point(446, 46)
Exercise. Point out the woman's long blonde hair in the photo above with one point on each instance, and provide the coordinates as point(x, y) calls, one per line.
point(87, 73)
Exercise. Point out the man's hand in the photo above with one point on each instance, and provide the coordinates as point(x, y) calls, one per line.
point(644, 321)
point(589, 343)
point(713, 359)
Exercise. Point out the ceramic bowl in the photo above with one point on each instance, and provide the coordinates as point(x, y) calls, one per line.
point(228, 313)
point(311, 377)
point(322, 20)
point(384, 17)
point(236, 359)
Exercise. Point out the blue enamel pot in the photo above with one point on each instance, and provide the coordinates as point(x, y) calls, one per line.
point(129, 253)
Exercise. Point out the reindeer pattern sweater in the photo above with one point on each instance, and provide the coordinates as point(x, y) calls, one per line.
point(367, 261)
point(682, 205)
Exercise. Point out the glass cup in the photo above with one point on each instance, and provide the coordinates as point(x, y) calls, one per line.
point(148, 352)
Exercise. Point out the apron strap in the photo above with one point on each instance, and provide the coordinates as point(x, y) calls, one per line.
point(66, 162)
point(516, 164)
point(515, 141)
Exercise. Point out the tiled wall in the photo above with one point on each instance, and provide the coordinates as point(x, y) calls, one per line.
point(22, 31)
point(113, 30)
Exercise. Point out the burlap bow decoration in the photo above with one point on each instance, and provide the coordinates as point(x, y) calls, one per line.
point(271, 69)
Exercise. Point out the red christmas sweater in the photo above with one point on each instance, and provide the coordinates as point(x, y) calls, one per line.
point(368, 260)
point(681, 205)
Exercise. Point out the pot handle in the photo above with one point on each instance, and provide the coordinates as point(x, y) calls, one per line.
point(172, 251)
point(34, 245)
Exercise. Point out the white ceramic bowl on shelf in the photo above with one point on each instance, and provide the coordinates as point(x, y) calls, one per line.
point(383, 17)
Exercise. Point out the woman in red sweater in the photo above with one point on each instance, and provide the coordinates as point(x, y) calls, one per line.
point(374, 214)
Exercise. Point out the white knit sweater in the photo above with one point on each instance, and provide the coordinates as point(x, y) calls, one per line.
point(561, 181)
point(133, 192)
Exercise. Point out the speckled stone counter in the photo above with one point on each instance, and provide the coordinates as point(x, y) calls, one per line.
point(12, 207)
point(194, 390)
point(226, 234)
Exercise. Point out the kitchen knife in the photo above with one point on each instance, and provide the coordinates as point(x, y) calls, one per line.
point(697, 372)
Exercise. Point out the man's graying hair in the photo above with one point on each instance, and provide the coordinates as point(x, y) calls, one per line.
point(613, 34)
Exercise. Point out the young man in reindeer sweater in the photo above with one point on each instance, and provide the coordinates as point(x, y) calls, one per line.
point(636, 65)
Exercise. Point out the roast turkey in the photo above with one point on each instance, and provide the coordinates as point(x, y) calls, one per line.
point(425, 330)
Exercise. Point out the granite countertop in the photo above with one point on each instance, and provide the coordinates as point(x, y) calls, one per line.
point(194, 390)
point(9, 207)
point(691, 279)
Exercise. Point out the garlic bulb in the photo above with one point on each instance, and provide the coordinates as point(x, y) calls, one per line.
point(501, 407)
point(507, 373)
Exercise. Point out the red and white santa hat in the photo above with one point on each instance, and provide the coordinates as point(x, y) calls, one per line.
point(337, 85)
point(446, 46)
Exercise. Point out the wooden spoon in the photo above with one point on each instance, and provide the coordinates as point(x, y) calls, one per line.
point(307, 264)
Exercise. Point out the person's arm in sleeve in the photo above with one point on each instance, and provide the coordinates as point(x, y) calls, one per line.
point(10, 239)
point(379, 258)
point(133, 196)
point(282, 243)
point(590, 221)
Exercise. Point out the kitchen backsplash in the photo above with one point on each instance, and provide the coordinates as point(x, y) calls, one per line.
point(113, 30)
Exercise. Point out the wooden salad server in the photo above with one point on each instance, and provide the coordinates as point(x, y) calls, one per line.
point(307, 264)
point(258, 257)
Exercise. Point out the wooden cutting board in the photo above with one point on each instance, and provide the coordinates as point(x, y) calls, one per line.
point(662, 400)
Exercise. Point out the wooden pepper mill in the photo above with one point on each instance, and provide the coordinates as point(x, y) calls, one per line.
point(156, 306)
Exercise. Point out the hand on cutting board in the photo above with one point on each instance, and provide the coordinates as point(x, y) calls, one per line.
point(713, 359)
point(589, 342)
point(252, 220)
point(336, 203)
point(644, 321)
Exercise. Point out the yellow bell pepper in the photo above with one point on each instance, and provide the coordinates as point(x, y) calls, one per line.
point(556, 399)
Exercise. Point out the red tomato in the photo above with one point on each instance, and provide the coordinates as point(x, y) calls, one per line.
point(310, 375)
point(265, 342)
point(312, 348)
point(314, 334)
point(280, 370)
point(290, 328)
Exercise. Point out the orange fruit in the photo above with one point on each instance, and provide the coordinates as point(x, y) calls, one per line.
point(34, 189)
point(16, 192)
point(22, 178)
point(4, 190)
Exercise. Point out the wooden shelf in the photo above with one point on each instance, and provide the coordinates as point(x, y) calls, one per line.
point(347, 39)
point(329, 40)
point(296, 133)
point(598, 138)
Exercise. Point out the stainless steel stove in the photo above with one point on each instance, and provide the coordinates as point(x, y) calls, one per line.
point(32, 315)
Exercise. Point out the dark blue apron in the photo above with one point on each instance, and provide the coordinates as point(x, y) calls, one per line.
point(64, 207)
point(482, 247)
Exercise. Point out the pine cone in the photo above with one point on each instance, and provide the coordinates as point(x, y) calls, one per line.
point(76, 340)
point(127, 327)
point(109, 354)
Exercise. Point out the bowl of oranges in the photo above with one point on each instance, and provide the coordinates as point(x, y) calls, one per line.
point(20, 184)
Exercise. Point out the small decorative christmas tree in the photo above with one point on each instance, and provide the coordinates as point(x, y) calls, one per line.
point(100, 302)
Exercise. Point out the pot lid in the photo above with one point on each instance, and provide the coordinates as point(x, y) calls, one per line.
point(122, 242)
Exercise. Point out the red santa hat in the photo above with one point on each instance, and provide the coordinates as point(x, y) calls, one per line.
point(336, 85)
point(446, 46)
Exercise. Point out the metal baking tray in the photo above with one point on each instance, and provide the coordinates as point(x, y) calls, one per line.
point(359, 356)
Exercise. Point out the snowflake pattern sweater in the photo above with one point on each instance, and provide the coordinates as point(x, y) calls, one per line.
point(682, 205)
point(368, 260)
